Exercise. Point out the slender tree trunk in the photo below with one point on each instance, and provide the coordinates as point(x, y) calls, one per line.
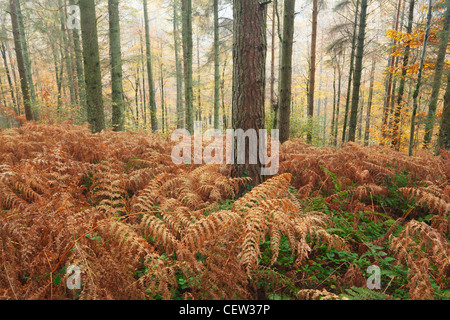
point(118, 106)
point(20, 61)
point(8, 77)
point(216, 66)
point(369, 105)
point(312, 73)
point(398, 111)
point(358, 71)
point(389, 91)
point(419, 79)
point(199, 90)
point(26, 55)
point(338, 100)
point(273, 103)
point(151, 83)
point(178, 66)
point(79, 68)
point(440, 66)
point(222, 87)
point(144, 87)
point(350, 75)
point(249, 61)
point(286, 70)
point(186, 10)
point(58, 80)
point(136, 93)
point(444, 132)
point(93, 76)
point(65, 53)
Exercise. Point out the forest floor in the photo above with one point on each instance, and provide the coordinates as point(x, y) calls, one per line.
point(113, 210)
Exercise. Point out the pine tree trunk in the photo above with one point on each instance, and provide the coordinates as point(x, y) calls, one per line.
point(286, 70)
point(186, 9)
point(20, 61)
point(249, 61)
point(93, 76)
point(118, 118)
point(358, 71)
point(151, 83)
point(440, 66)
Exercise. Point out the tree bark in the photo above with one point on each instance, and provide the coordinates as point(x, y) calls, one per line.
point(440, 66)
point(444, 132)
point(118, 106)
point(419, 79)
point(20, 61)
point(350, 75)
point(398, 110)
point(369, 104)
point(312, 73)
point(26, 55)
point(186, 9)
point(249, 61)
point(358, 71)
point(389, 91)
point(216, 66)
point(286, 70)
point(91, 56)
point(178, 66)
point(151, 83)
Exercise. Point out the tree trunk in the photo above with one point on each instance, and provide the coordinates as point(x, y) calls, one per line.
point(358, 71)
point(419, 79)
point(118, 118)
point(8, 77)
point(389, 91)
point(440, 66)
point(249, 61)
point(93, 76)
point(216, 66)
point(26, 55)
point(222, 87)
point(312, 73)
point(151, 84)
point(20, 61)
point(369, 105)
point(199, 90)
point(65, 53)
point(286, 70)
point(444, 132)
point(79, 68)
point(178, 66)
point(350, 75)
point(186, 9)
point(398, 110)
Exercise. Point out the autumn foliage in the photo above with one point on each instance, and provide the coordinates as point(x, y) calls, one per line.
point(141, 227)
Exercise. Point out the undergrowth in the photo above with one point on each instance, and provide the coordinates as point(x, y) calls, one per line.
point(140, 227)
